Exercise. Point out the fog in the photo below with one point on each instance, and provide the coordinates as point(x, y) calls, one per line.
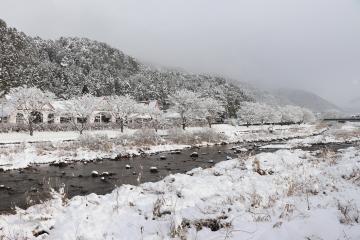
point(307, 44)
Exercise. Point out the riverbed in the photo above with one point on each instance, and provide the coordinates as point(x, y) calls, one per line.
point(29, 186)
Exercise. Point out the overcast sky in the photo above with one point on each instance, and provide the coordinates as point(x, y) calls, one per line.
point(308, 44)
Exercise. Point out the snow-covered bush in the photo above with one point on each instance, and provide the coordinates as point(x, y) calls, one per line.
point(95, 142)
point(178, 136)
point(348, 212)
point(146, 137)
point(308, 116)
point(292, 114)
point(141, 137)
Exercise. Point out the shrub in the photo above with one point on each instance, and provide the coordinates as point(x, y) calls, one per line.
point(94, 142)
point(179, 136)
point(144, 136)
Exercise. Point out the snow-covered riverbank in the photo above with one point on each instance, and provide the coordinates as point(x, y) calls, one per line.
point(282, 195)
point(19, 150)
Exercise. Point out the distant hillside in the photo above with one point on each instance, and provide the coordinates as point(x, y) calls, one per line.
point(353, 106)
point(280, 97)
point(306, 99)
point(70, 66)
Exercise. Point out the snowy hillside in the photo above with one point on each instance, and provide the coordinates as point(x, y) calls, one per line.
point(70, 66)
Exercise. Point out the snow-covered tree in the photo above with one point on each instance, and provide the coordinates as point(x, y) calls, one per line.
point(157, 119)
point(121, 108)
point(79, 110)
point(292, 114)
point(308, 116)
point(30, 102)
point(334, 113)
point(270, 114)
point(248, 112)
point(211, 109)
point(187, 104)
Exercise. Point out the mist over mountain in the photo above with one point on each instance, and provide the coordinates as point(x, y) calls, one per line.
point(285, 96)
point(68, 66)
point(353, 107)
point(306, 99)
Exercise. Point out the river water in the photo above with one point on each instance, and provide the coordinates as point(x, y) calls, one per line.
point(29, 186)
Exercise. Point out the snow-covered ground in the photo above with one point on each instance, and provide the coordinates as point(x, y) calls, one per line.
point(236, 132)
point(19, 150)
point(23, 137)
point(337, 133)
point(289, 194)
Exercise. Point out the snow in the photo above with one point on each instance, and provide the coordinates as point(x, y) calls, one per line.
point(19, 150)
point(47, 136)
point(300, 199)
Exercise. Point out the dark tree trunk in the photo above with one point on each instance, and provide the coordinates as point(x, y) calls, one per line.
point(183, 123)
point(122, 125)
point(209, 122)
point(31, 127)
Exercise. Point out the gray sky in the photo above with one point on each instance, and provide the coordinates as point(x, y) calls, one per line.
point(308, 44)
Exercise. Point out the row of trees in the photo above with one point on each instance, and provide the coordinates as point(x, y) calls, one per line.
point(260, 113)
point(187, 104)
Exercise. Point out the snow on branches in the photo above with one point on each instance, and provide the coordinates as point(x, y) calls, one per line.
point(79, 110)
point(189, 105)
point(260, 113)
point(122, 107)
point(29, 102)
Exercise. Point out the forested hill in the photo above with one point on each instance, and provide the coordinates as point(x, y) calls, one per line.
point(70, 66)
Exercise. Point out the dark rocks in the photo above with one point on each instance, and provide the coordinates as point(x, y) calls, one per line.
point(41, 232)
point(240, 150)
point(3, 187)
point(94, 174)
point(59, 164)
point(120, 156)
point(175, 152)
point(127, 166)
point(162, 157)
point(194, 154)
point(154, 170)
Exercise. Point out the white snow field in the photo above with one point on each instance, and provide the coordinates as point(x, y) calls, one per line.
point(19, 150)
point(289, 194)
